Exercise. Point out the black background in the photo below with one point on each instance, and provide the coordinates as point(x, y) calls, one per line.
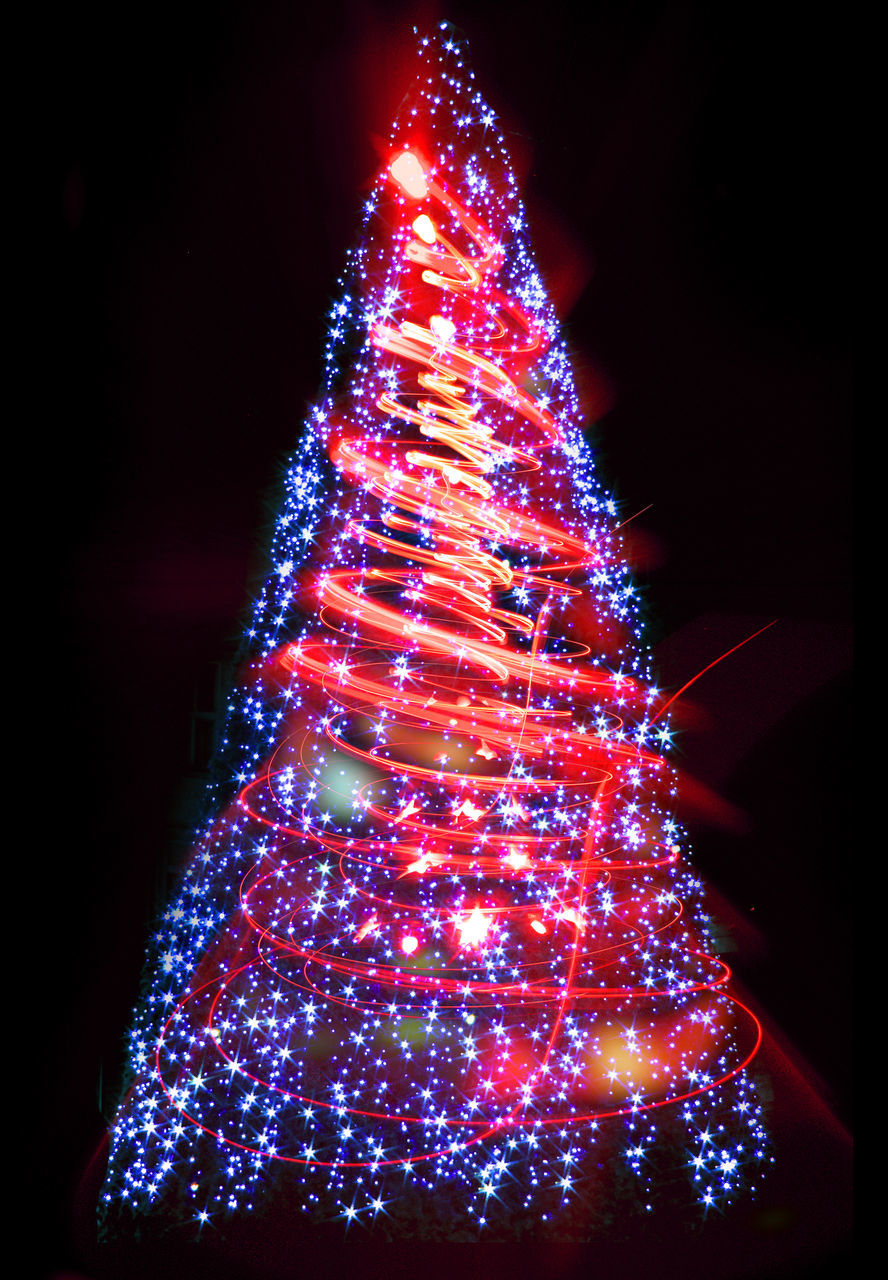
point(689, 197)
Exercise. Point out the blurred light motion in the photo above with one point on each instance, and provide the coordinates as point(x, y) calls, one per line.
point(425, 228)
point(408, 173)
point(441, 943)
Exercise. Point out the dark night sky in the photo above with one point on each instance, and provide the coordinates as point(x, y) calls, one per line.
point(687, 187)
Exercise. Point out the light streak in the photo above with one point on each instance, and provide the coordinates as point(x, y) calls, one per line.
point(449, 900)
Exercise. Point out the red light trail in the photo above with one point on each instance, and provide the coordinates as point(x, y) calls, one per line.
point(454, 498)
point(461, 917)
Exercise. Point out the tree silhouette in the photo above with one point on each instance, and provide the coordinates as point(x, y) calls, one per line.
point(437, 963)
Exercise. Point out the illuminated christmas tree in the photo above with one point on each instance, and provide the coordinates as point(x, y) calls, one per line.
point(437, 957)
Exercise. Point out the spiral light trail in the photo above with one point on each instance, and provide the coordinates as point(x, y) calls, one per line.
point(445, 928)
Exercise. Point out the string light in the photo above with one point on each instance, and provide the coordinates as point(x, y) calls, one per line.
point(440, 932)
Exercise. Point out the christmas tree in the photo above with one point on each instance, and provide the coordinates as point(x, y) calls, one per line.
point(437, 964)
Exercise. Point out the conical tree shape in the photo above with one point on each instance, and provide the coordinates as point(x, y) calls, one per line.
point(437, 959)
